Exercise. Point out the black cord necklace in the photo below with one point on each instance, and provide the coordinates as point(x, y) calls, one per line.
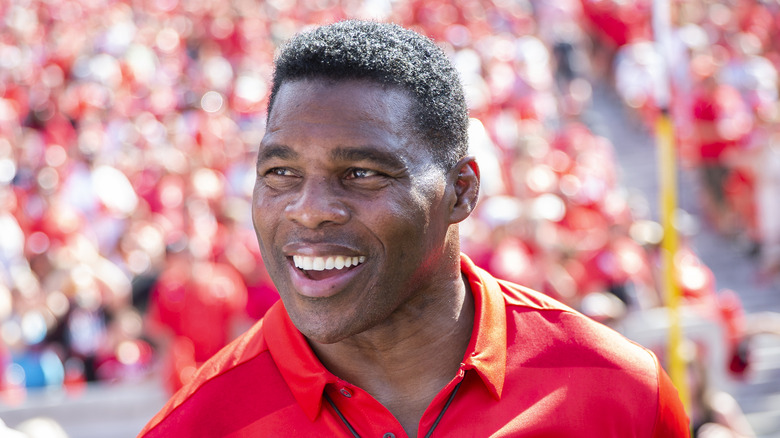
point(427, 435)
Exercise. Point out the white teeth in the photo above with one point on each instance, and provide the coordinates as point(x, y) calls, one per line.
point(326, 263)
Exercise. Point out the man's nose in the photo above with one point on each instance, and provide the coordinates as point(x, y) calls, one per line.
point(317, 205)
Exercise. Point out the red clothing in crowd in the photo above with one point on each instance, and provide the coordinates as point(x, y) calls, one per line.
point(201, 302)
point(196, 307)
point(533, 368)
point(715, 108)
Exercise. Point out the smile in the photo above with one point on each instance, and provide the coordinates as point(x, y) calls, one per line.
point(325, 275)
point(308, 263)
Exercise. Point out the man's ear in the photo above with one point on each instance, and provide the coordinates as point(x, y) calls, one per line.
point(465, 182)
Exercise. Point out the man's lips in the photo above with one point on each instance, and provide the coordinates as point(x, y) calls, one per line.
point(319, 271)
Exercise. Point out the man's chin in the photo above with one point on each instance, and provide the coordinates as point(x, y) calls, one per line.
point(325, 336)
point(335, 326)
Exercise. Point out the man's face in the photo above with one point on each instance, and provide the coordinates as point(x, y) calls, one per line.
point(350, 209)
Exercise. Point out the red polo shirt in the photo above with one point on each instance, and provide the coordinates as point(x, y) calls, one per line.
point(534, 368)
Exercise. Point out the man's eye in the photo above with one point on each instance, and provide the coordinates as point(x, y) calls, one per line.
point(278, 178)
point(279, 171)
point(357, 173)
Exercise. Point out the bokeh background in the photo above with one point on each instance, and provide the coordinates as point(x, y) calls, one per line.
point(128, 131)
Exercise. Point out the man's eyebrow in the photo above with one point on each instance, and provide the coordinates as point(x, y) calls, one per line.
point(275, 151)
point(382, 158)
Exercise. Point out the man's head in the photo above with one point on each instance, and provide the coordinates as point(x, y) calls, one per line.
point(392, 56)
point(355, 214)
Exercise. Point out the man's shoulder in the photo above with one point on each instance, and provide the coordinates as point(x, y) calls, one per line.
point(248, 346)
point(553, 333)
point(216, 394)
point(562, 346)
point(520, 296)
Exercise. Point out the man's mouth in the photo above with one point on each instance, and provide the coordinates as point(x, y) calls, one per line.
point(321, 267)
point(308, 263)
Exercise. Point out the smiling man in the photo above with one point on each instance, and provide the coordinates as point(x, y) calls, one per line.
point(384, 328)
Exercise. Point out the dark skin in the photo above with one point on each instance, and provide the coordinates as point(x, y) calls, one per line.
point(342, 177)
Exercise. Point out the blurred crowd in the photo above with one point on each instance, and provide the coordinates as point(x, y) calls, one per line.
point(128, 130)
point(722, 59)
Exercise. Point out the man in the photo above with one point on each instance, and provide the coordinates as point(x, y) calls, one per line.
point(384, 328)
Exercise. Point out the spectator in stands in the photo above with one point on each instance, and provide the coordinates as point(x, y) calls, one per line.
point(721, 122)
point(714, 413)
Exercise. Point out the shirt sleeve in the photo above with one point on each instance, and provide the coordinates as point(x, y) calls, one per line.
point(671, 420)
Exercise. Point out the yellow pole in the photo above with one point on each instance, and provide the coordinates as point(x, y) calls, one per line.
point(667, 163)
point(668, 178)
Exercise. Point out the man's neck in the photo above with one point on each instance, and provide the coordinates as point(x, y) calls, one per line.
point(406, 362)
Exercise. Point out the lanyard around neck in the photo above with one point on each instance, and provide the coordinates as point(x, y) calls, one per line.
point(427, 435)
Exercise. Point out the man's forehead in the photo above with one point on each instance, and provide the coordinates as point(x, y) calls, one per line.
point(350, 104)
point(313, 89)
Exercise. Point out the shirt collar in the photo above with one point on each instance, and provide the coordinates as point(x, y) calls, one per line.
point(307, 377)
point(301, 369)
point(486, 353)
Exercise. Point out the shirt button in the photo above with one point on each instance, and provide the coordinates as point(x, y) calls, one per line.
point(345, 392)
point(388, 435)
